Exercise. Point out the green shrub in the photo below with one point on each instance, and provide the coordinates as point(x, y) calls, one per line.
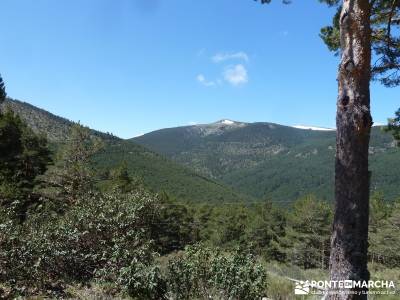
point(208, 273)
point(103, 238)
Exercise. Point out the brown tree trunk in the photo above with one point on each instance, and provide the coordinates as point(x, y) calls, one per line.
point(349, 241)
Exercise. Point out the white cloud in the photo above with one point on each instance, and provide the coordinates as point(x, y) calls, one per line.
point(313, 128)
point(192, 123)
point(202, 79)
point(236, 75)
point(220, 57)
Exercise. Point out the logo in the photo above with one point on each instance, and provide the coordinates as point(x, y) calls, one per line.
point(302, 288)
point(342, 286)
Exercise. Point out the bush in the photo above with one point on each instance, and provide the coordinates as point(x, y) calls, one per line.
point(103, 238)
point(207, 273)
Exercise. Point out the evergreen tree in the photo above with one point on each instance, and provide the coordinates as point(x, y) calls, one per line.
point(359, 26)
point(173, 228)
point(266, 228)
point(308, 233)
point(229, 226)
point(379, 211)
point(119, 179)
point(72, 176)
point(203, 216)
point(23, 156)
point(384, 236)
point(3, 94)
point(394, 126)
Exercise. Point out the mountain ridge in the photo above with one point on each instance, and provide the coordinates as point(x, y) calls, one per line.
point(229, 161)
point(158, 173)
point(268, 160)
point(41, 121)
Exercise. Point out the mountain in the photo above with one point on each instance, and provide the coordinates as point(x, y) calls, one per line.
point(229, 160)
point(267, 160)
point(158, 173)
point(41, 121)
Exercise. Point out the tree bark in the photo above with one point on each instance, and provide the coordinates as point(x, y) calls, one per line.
point(349, 241)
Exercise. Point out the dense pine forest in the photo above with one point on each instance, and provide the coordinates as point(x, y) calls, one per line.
point(77, 222)
point(265, 160)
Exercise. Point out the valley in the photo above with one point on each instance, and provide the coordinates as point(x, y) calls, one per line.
point(229, 161)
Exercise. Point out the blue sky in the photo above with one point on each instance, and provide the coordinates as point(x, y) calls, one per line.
point(133, 66)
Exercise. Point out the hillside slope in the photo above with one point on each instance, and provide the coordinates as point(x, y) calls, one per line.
point(161, 174)
point(41, 121)
point(268, 160)
point(157, 172)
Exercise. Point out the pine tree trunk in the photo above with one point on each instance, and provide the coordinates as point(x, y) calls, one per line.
point(349, 241)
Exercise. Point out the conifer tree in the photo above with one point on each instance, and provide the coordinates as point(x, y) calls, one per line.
point(72, 176)
point(359, 27)
point(266, 229)
point(120, 180)
point(173, 229)
point(384, 237)
point(3, 94)
point(394, 126)
point(308, 233)
point(23, 156)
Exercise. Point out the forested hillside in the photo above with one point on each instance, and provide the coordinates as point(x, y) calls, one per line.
point(160, 174)
point(55, 128)
point(257, 160)
point(81, 219)
point(268, 160)
point(157, 173)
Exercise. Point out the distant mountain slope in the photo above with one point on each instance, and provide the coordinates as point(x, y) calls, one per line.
point(271, 160)
point(158, 173)
point(161, 174)
point(41, 121)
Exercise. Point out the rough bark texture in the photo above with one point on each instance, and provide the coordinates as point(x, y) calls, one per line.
point(349, 242)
